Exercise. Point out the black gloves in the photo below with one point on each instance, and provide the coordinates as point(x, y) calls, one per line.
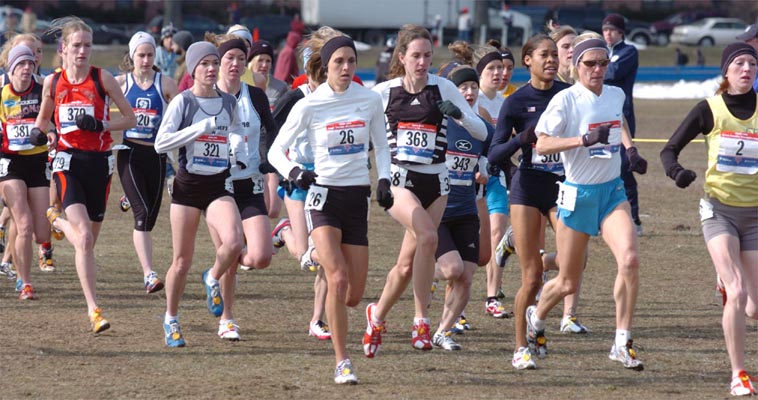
point(384, 194)
point(448, 108)
point(266, 168)
point(636, 162)
point(528, 136)
point(596, 135)
point(87, 122)
point(684, 177)
point(37, 137)
point(303, 179)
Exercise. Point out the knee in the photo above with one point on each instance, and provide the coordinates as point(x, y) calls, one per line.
point(354, 299)
point(234, 245)
point(451, 271)
point(257, 261)
point(737, 297)
point(629, 264)
point(568, 286)
point(86, 240)
point(533, 280)
point(403, 271)
point(181, 266)
point(338, 286)
point(427, 240)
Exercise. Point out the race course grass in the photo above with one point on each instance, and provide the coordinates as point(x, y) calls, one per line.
point(48, 352)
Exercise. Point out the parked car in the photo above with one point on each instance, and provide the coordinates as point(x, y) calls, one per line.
point(104, 34)
point(196, 24)
point(638, 32)
point(273, 28)
point(662, 30)
point(580, 18)
point(709, 31)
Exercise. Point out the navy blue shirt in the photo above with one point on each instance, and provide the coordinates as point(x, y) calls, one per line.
point(462, 154)
point(621, 72)
point(521, 110)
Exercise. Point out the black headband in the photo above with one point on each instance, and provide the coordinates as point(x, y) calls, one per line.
point(489, 57)
point(507, 55)
point(232, 44)
point(585, 46)
point(332, 45)
point(464, 75)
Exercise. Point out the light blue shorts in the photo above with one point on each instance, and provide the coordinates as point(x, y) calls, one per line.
point(296, 193)
point(497, 196)
point(593, 204)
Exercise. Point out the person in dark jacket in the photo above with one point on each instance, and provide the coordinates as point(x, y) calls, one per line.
point(621, 72)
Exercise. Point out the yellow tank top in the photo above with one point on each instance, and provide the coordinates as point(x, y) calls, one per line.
point(509, 90)
point(732, 174)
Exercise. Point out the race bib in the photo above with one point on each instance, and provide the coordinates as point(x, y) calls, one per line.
point(346, 138)
point(18, 131)
point(229, 185)
point(259, 184)
point(460, 167)
point(547, 162)
point(316, 198)
point(566, 196)
point(62, 161)
point(415, 142)
point(67, 114)
point(738, 153)
point(4, 164)
point(444, 183)
point(706, 210)
point(210, 153)
point(397, 175)
point(146, 120)
point(111, 164)
point(606, 151)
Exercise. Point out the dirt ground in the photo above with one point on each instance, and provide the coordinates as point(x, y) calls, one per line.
point(48, 352)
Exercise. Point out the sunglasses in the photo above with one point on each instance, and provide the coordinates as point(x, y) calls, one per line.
point(593, 63)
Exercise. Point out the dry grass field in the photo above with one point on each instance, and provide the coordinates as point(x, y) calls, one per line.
point(48, 352)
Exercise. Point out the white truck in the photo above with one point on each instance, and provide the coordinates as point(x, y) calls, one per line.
point(371, 21)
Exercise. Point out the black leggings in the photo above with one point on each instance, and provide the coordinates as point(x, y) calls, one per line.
point(142, 170)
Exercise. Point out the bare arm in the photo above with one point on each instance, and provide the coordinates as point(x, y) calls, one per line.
point(46, 111)
point(547, 144)
point(169, 88)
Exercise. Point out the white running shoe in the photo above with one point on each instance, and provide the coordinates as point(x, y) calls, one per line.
point(344, 374)
point(306, 261)
point(570, 324)
point(742, 385)
point(626, 355)
point(319, 330)
point(228, 330)
point(522, 359)
point(445, 341)
point(535, 338)
point(505, 248)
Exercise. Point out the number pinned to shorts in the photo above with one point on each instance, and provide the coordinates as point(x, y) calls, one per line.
point(316, 198)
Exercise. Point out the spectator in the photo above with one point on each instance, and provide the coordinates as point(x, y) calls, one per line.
point(28, 21)
point(11, 26)
point(700, 58)
point(750, 36)
point(165, 56)
point(383, 61)
point(621, 72)
point(182, 42)
point(681, 58)
point(437, 31)
point(286, 64)
point(464, 25)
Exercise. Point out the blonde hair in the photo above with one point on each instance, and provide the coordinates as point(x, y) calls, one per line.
point(480, 51)
point(559, 32)
point(407, 34)
point(586, 35)
point(15, 41)
point(314, 68)
point(462, 50)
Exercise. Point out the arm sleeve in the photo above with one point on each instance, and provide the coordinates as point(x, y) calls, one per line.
point(169, 137)
point(296, 123)
point(503, 147)
point(698, 121)
point(470, 121)
point(553, 121)
point(379, 139)
point(283, 107)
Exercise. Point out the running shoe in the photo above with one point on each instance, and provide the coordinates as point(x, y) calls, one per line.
point(52, 214)
point(420, 338)
point(319, 330)
point(742, 385)
point(124, 203)
point(173, 334)
point(535, 338)
point(344, 374)
point(500, 293)
point(2, 239)
point(152, 283)
point(505, 248)
point(522, 359)
point(228, 330)
point(276, 234)
point(570, 324)
point(213, 296)
point(46, 262)
point(638, 229)
point(19, 285)
point(372, 338)
point(626, 355)
point(445, 341)
point(461, 325)
point(496, 310)
point(722, 289)
point(306, 261)
point(7, 270)
point(27, 293)
point(99, 323)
